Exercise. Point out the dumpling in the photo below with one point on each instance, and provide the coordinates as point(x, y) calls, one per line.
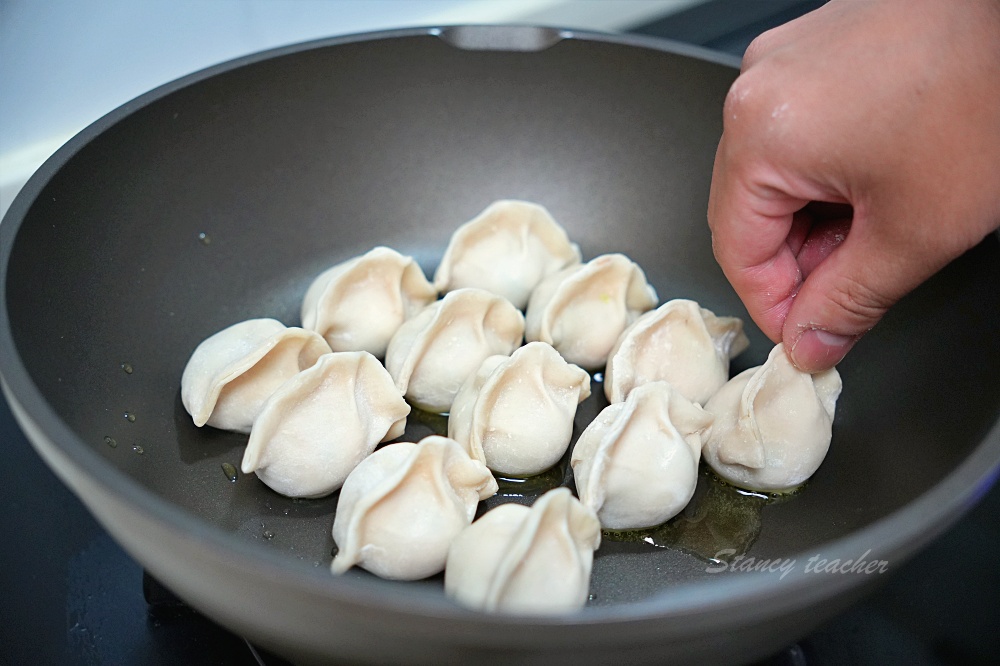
point(359, 304)
point(516, 559)
point(507, 249)
point(582, 310)
point(432, 354)
point(401, 508)
point(231, 374)
point(679, 342)
point(773, 424)
point(516, 413)
point(636, 464)
point(322, 422)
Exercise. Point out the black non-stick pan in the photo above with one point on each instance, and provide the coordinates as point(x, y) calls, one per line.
point(219, 197)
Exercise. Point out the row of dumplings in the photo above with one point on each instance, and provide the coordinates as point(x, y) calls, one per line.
point(406, 511)
point(317, 401)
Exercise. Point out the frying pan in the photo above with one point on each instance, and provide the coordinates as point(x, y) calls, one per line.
point(219, 197)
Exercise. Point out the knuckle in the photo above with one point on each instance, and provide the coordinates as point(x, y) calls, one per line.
point(749, 102)
point(737, 100)
point(763, 45)
point(862, 305)
point(755, 50)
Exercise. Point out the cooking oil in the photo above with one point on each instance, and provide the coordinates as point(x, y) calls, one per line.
point(230, 471)
point(533, 485)
point(720, 518)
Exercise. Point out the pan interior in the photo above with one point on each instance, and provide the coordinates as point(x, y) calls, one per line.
point(221, 200)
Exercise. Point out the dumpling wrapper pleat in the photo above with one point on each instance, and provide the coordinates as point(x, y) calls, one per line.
point(400, 509)
point(517, 559)
point(360, 304)
point(507, 249)
point(582, 310)
point(231, 373)
point(636, 464)
point(432, 354)
point(516, 412)
point(773, 424)
point(320, 424)
point(680, 342)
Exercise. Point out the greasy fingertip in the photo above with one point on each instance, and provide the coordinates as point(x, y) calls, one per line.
point(814, 350)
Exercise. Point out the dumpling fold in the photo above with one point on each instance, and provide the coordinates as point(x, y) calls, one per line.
point(516, 413)
point(773, 424)
point(401, 508)
point(317, 426)
point(432, 354)
point(231, 373)
point(516, 559)
point(679, 342)
point(507, 249)
point(359, 304)
point(636, 464)
point(583, 309)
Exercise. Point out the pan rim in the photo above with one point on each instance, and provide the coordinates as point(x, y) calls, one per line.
point(901, 532)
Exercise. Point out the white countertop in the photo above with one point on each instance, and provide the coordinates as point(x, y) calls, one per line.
point(65, 63)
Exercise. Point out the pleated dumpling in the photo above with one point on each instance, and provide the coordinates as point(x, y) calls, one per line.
point(679, 342)
point(507, 249)
point(401, 508)
point(231, 373)
point(516, 413)
point(773, 424)
point(517, 559)
point(322, 422)
point(359, 304)
point(582, 310)
point(636, 464)
point(432, 354)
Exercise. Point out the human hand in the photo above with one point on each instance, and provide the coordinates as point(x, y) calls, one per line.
point(888, 111)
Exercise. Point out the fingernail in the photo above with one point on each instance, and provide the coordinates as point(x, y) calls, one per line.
point(816, 350)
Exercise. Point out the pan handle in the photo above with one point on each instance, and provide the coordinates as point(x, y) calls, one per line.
point(500, 37)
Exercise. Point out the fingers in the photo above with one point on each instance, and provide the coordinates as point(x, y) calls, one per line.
point(880, 106)
point(755, 239)
point(846, 292)
point(822, 238)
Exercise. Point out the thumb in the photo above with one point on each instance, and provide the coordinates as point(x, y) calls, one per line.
point(845, 295)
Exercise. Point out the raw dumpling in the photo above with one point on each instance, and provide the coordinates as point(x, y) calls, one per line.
point(231, 374)
point(516, 413)
point(679, 342)
point(636, 464)
point(401, 508)
point(359, 304)
point(322, 422)
point(773, 424)
point(507, 249)
point(517, 559)
point(582, 310)
point(432, 354)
